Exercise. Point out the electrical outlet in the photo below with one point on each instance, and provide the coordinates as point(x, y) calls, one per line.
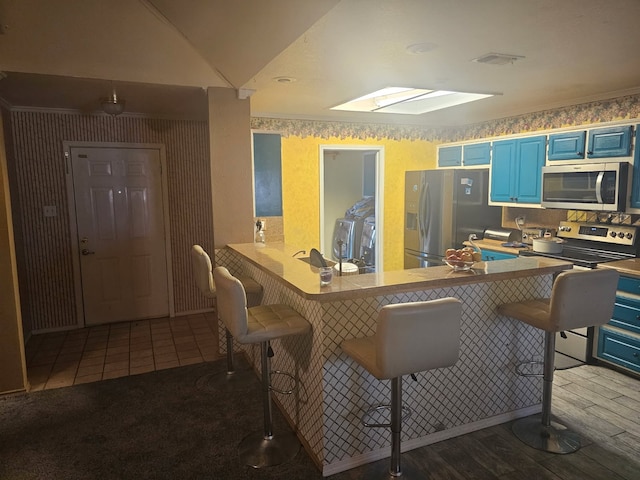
point(50, 211)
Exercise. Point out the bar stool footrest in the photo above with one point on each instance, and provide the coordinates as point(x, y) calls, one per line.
point(529, 369)
point(555, 438)
point(406, 413)
point(293, 379)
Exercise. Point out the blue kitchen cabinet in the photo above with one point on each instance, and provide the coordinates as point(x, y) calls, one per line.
point(635, 186)
point(476, 154)
point(567, 146)
point(610, 142)
point(489, 255)
point(450, 156)
point(619, 340)
point(516, 170)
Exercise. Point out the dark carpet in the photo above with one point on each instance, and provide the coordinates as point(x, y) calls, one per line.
point(169, 424)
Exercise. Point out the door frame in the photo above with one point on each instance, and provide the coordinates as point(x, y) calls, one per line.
point(379, 151)
point(73, 222)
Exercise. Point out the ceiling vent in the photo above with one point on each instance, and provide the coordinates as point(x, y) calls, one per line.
point(497, 58)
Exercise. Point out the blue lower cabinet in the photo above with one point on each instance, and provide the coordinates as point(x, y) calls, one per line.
point(618, 348)
point(489, 255)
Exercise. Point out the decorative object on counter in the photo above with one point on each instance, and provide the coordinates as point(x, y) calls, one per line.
point(253, 325)
point(579, 298)
point(462, 259)
point(410, 338)
point(201, 264)
point(316, 259)
point(259, 232)
point(548, 245)
point(326, 274)
point(348, 268)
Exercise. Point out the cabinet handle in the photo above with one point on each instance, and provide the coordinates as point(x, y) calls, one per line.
point(589, 153)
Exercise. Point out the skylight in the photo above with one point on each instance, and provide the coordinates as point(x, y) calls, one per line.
point(410, 101)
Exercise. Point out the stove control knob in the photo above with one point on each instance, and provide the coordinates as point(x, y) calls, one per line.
point(612, 234)
point(629, 236)
point(620, 234)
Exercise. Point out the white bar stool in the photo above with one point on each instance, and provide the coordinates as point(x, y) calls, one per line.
point(579, 298)
point(410, 338)
point(202, 271)
point(260, 324)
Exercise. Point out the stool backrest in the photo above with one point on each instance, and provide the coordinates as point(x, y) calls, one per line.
point(232, 302)
point(201, 264)
point(582, 298)
point(418, 336)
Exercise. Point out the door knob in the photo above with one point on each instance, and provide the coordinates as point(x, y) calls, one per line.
point(87, 252)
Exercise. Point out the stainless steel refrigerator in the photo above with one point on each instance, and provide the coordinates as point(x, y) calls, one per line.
point(442, 208)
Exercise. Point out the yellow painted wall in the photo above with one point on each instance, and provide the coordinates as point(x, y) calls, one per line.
point(301, 187)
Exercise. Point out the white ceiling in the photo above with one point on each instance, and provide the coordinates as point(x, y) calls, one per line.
point(162, 54)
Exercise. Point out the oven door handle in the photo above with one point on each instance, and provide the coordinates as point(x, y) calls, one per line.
point(599, 188)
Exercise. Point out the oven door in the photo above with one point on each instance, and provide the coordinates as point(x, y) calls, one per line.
point(592, 186)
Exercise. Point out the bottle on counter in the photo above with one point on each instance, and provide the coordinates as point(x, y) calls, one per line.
point(259, 238)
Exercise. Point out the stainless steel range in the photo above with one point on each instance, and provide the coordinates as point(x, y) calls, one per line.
point(587, 245)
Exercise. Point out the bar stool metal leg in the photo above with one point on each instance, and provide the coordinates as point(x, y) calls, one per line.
point(539, 431)
point(264, 449)
point(233, 378)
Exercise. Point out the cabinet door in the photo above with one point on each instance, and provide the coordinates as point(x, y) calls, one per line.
point(566, 146)
point(502, 170)
point(489, 255)
point(476, 154)
point(635, 186)
point(450, 156)
point(619, 348)
point(530, 155)
point(610, 142)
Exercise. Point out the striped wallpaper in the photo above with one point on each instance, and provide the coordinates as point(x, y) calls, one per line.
point(38, 179)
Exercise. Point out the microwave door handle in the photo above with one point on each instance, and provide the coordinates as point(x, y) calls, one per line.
point(599, 187)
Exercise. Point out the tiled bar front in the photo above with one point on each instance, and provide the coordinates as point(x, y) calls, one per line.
point(482, 389)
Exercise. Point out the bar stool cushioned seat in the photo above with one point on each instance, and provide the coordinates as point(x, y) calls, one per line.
point(203, 275)
point(259, 324)
point(410, 338)
point(579, 298)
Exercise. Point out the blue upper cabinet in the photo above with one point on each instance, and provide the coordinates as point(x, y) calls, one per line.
point(516, 170)
point(450, 156)
point(610, 142)
point(566, 146)
point(476, 154)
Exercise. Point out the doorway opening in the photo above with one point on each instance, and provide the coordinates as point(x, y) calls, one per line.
point(352, 196)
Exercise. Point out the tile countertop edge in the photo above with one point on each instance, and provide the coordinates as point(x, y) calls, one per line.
point(276, 260)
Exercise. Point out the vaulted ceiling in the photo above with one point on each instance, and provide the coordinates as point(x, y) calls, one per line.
point(161, 55)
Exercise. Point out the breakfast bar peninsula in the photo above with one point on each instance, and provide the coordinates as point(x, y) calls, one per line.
point(480, 390)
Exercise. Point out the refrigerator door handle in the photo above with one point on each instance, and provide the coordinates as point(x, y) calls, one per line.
point(424, 213)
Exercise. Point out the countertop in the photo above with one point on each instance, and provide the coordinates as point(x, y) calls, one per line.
point(496, 246)
point(624, 267)
point(276, 259)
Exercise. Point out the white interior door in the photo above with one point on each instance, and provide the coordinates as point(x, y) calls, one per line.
point(121, 238)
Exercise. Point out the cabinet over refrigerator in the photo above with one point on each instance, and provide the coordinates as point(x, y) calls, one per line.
point(442, 208)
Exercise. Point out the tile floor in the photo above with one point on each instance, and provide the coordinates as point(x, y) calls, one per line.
point(98, 353)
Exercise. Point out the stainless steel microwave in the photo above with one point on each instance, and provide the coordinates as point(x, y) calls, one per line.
point(588, 186)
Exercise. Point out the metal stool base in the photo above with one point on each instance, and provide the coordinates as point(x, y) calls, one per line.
point(257, 451)
point(555, 438)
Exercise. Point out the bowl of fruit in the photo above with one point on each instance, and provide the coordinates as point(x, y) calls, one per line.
point(461, 259)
